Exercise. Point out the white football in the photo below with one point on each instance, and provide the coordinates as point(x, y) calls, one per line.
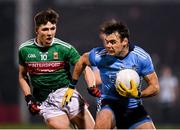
point(125, 76)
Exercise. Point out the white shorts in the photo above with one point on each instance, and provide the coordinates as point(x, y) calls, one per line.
point(51, 107)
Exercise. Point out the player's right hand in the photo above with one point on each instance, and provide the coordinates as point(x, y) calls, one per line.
point(32, 104)
point(94, 91)
point(121, 90)
point(124, 91)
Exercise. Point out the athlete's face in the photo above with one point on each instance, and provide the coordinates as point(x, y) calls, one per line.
point(114, 45)
point(45, 34)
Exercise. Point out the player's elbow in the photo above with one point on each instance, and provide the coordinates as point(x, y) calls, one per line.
point(156, 89)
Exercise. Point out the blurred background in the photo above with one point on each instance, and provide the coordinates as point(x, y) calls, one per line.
point(153, 24)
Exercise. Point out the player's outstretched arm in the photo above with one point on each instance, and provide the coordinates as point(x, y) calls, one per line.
point(81, 65)
point(78, 69)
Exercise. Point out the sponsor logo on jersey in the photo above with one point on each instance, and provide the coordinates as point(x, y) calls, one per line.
point(55, 54)
point(31, 56)
point(44, 67)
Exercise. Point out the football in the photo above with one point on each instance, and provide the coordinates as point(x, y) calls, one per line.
point(125, 76)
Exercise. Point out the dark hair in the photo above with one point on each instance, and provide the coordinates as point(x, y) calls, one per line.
point(44, 16)
point(109, 27)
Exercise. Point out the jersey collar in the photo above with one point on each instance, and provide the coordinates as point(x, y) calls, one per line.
point(41, 45)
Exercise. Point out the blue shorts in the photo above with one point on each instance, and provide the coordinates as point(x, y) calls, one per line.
point(126, 118)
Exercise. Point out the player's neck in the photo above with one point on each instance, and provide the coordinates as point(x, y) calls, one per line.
point(39, 42)
point(124, 52)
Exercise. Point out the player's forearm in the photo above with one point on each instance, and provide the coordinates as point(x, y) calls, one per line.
point(23, 80)
point(80, 66)
point(78, 69)
point(89, 77)
point(24, 86)
point(153, 86)
point(150, 91)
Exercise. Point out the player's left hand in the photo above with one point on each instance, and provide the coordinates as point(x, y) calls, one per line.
point(67, 96)
point(124, 91)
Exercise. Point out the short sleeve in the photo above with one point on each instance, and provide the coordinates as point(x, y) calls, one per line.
point(147, 66)
point(20, 58)
point(92, 57)
point(73, 55)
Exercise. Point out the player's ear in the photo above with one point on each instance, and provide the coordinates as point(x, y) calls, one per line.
point(125, 41)
point(36, 30)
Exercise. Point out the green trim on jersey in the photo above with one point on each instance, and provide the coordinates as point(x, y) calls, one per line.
point(48, 68)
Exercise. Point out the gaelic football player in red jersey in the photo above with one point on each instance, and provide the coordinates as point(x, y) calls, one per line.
point(44, 68)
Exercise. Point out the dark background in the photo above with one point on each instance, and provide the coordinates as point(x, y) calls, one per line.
point(153, 25)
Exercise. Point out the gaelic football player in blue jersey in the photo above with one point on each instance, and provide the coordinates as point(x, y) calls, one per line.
point(46, 61)
point(120, 107)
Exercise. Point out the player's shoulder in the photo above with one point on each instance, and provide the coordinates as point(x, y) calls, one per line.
point(99, 50)
point(62, 43)
point(26, 44)
point(140, 52)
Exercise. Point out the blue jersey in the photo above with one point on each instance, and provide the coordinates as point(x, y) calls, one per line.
point(108, 66)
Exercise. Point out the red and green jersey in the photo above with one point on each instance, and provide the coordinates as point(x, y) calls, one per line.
point(48, 67)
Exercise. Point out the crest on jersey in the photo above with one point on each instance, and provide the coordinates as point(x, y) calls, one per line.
point(55, 54)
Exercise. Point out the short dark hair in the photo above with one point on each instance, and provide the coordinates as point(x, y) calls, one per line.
point(111, 26)
point(44, 16)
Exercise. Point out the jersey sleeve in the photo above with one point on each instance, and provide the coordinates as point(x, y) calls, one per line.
point(92, 57)
point(147, 66)
point(73, 55)
point(20, 57)
point(95, 55)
